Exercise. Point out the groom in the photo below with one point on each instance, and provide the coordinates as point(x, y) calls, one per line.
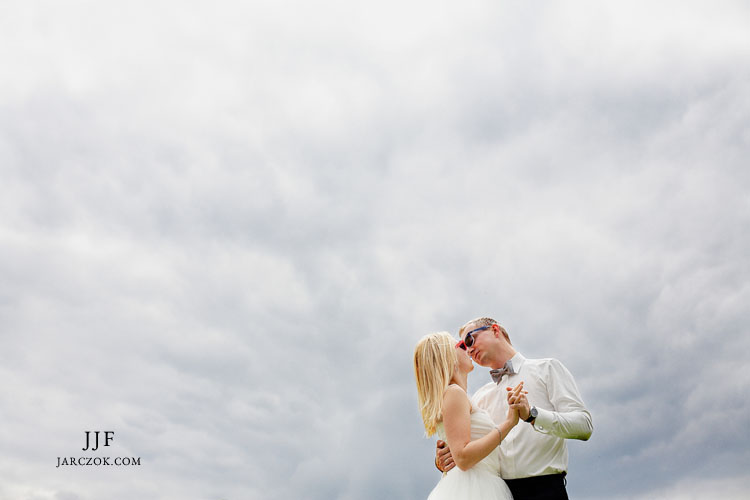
point(534, 456)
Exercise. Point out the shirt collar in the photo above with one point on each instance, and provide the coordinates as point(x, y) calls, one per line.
point(517, 361)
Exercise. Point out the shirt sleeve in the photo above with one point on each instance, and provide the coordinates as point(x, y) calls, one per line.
point(570, 419)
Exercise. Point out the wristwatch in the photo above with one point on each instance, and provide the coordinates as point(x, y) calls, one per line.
point(532, 414)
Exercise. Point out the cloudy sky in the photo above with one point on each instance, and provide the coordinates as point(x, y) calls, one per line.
point(224, 226)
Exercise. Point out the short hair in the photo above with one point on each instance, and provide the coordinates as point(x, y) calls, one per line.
point(434, 363)
point(484, 321)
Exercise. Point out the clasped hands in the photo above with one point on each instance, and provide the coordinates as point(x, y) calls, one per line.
point(518, 402)
point(518, 408)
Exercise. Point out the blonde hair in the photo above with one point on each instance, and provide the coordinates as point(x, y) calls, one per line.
point(434, 363)
point(480, 322)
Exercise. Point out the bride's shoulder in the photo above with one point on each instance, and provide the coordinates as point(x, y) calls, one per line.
point(455, 391)
point(455, 387)
point(455, 400)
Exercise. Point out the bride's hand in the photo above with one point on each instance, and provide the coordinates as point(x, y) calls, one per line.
point(515, 396)
point(512, 417)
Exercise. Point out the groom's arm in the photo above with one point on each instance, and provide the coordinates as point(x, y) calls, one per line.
point(570, 419)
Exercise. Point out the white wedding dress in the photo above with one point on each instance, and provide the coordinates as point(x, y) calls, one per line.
point(482, 481)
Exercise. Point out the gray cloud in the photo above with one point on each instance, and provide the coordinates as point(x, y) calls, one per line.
point(223, 230)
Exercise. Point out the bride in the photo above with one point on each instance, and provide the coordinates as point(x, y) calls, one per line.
point(441, 367)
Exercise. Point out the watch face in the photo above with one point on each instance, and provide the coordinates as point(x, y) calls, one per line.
point(532, 414)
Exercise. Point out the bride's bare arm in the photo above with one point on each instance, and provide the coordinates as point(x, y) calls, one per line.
point(457, 422)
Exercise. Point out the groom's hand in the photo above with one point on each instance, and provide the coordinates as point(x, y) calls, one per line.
point(443, 458)
point(518, 401)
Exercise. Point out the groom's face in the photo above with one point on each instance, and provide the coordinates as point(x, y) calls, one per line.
point(482, 344)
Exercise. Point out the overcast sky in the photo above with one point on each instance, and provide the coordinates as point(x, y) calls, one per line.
point(225, 225)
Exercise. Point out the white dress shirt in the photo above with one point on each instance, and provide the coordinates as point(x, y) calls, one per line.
point(539, 449)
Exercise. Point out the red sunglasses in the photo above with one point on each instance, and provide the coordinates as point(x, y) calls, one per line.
point(469, 338)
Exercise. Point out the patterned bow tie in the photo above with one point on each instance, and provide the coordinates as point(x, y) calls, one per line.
point(505, 370)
